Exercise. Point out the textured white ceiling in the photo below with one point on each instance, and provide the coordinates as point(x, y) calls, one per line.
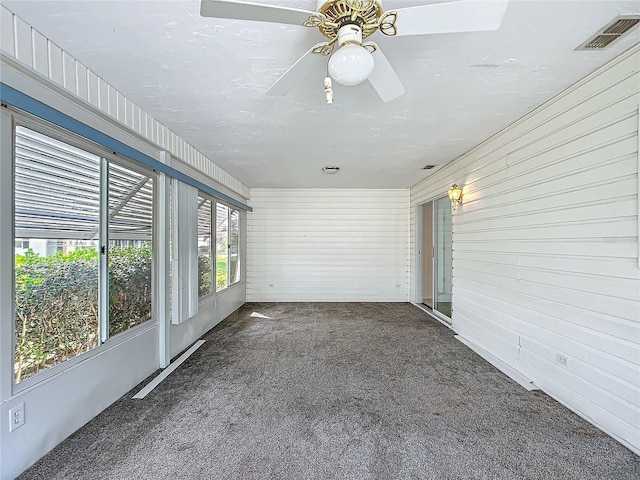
point(206, 80)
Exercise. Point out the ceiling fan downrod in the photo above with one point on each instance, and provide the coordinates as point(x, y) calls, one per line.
point(333, 15)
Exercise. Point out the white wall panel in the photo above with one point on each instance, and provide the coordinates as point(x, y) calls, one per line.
point(328, 245)
point(23, 40)
point(7, 34)
point(92, 86)
point(545, 246)
point(112, 95)
point(212, 311)
point(56, 68)
point(69, 66)
point(82, 88)
point(40, 53)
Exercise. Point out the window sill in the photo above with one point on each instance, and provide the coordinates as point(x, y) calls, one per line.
point(64, 367)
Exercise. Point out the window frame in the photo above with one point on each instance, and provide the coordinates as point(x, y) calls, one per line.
point(43, 127)
point(239, 246)
point(213, 264)
point(207, 198)
point(226, 273)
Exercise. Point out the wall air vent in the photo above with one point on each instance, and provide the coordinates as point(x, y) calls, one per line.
point(611, 32)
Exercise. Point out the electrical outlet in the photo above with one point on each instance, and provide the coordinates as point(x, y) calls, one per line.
point(562, 359)
point(215, 303)
point(16, 417)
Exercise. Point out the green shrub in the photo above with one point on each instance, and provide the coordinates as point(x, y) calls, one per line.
point(204, 275)
point(129, 287)
point(221, 274)
point(56, 303)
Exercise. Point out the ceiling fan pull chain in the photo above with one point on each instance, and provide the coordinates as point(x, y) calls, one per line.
point(387, 23)
point(328, 91)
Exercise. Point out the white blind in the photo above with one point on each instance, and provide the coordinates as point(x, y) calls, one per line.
point(184, 272)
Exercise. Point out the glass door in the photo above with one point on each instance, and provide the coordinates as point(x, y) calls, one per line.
point(442, 256)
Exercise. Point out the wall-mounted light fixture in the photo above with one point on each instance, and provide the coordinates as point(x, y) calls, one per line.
point(455, 195)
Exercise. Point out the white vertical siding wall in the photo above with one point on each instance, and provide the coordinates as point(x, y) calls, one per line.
point(38, 54)
point(328, 245)
point(545, 247)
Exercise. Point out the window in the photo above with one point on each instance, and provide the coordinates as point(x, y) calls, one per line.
point(226, 267)
point(83, 250)
point(22, 244)
point(222, 246)
point(130, 226)
point(204, 247)
point(234, 247)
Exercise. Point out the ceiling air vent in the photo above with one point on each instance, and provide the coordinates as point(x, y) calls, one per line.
point(428, 167)
point(610, 32)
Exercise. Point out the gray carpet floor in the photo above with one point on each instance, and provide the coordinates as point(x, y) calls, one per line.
point(336, 391)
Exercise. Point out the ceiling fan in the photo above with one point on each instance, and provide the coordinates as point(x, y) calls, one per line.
point(346, 23)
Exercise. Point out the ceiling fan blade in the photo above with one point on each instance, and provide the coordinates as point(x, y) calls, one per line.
point(460, 16)
point(384, 78)
point(296, 74)
point(253, 11)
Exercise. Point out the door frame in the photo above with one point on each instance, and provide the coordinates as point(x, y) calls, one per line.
point(448, 321)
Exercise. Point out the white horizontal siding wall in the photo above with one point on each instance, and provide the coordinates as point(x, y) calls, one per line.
point(545, 246)
point(20, 42)
point(328, 245)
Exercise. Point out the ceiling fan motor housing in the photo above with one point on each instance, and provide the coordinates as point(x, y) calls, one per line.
point(363, 13)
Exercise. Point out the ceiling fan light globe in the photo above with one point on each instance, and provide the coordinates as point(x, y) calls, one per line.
point(351, 65)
